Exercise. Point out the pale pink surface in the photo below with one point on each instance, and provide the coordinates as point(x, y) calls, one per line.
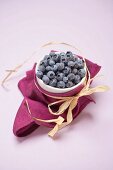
point(24, 26)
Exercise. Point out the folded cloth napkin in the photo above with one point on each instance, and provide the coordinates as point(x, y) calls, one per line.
point(24, 124)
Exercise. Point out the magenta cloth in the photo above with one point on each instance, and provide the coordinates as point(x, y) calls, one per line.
point(38, 102)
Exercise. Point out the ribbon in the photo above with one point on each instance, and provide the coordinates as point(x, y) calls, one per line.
point(67, 103)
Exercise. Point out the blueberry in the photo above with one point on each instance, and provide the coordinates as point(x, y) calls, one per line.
point(56, 57)
point(60, 66)
point(51, 62)
point(73, 58)
point(74, 71)
point(77, 79)
point(81, 72)
point(65, 79)
point(45, 79)
point(79, 60)
point(63, 59)
point(41, 68)
point(76, 64)
point(61, 84)
point(39, 74)
point(52, 53)
point(69, 84)
point(60, 76)
point(67, 70)
point(44, 62)
point(62, 54)
point(51, 74)
point(71, 76)
point(47, 57)
point(54, 68)
point(71, 63)
point(80, 63)
point(48, 68)
point(53, 82)
point(69, 53)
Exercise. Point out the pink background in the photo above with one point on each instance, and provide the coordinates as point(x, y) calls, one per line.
point(24, 26)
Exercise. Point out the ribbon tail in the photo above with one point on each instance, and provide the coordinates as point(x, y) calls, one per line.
point(100, 89)
point(94, 90)
point(57, 127)
point(53, 131)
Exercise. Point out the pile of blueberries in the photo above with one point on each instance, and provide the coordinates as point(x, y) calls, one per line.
point(61, 70)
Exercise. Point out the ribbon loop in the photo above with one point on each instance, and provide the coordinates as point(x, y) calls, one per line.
point(62, 107)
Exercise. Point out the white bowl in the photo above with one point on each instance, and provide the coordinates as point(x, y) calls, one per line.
point(54, 89)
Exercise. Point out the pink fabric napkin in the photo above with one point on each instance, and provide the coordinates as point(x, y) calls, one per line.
point(38, 102)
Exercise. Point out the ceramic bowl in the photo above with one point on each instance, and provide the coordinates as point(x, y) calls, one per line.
point(54, 89)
